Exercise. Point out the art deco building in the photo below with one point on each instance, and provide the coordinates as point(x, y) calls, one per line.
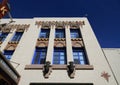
point(56, 51)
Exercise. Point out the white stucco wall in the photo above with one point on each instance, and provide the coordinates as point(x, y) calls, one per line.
point(25, 51)
point(113, 57)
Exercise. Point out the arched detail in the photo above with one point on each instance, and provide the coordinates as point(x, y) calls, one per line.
point(77, 44)
point(41, 44)
point(59, 44)
point(11, 47)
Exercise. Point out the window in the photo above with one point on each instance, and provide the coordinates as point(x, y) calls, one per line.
point(44, 33)
point(60, 33)
point(8, 54)
point(39, 56)
point(75, 33)
point(59, 56)
point(17, 36)
point(3, 36)
point(79, 56)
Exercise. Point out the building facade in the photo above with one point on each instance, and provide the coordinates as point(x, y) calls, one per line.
point(54, 51)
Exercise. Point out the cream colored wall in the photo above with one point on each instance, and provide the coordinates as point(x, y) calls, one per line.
point(113, 57)
point(25, 51)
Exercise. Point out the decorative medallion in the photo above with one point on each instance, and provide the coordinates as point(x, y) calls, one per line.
point(105, 75)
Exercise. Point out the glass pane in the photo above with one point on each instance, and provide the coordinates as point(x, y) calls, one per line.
point(62, 53)
point(62, 58)
point(81, 58)
point(42, 61)
point(76, 61)
point(62, 62)
point(80, 53)
point(36, 59)
point(75, 53)
point(56, 62)
point(56, 58)
point(82, 62)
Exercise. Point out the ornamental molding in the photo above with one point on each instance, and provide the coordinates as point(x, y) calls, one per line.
point(11, 27)
point(60, 24)
point(105, 75)
point(41, 43)
point(77, 44)
point(11, 46)
point(59, 44)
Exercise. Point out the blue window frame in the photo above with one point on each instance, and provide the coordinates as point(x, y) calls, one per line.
point(39, 56)
point(59, 56)
point(8, 54)
point(79, 56)
point(60, 33)
point(75, 33)
point(44, 33)
point(17, 36)
point(3, 36)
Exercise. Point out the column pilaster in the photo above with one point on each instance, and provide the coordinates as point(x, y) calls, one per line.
point(51, 44)
point(68, 44)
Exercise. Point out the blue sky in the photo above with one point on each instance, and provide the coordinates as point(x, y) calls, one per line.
point(104, 15)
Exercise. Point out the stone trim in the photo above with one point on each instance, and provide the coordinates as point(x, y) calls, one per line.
point(15, 26)
point(42, 42)
point(11, 45)
point(59, 42)
point(60, 24)
point(58, 67)
point(77, 42)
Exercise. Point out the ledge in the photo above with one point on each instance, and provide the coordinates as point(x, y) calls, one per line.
point(76, 39)
point(42, 39)
point(58, 67)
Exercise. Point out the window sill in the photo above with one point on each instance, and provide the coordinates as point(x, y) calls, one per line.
point(58, 67)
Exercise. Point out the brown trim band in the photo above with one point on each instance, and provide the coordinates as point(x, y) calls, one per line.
point(59, 67)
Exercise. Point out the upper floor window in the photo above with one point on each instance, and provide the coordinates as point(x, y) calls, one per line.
point(8, 54)
point(39, 56)
point(59, 56)
point(79, 56)
point(60, 33)
point(44, 33)
point(3, 36)
point(17, 36)
point(75, 33)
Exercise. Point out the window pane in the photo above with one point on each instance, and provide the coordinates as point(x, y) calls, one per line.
point(82, 62)
point(60, 33)
point(75, 33)
point(3, 36)
point(59, 56)
point(17, 36)
point(79, 56)
point(62, 62)
point(44, 33)
point(40, 56)
point(8, 54)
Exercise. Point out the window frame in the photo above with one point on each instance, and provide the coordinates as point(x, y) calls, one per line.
point(19, 35)
point(8, 54)
point(45, 32)
point(60, 50)
point(75, 33)
point(60, 33)
point(79, 56)
point(40, 50)
point(2, 34)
